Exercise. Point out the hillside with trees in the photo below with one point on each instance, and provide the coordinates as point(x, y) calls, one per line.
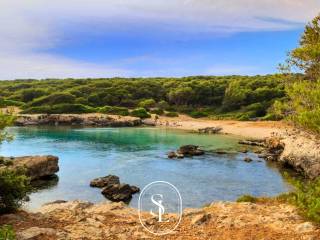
point(239, 97)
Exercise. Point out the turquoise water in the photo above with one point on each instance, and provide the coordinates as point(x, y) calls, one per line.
point(138, 157)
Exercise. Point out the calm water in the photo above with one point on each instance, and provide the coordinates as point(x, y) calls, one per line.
point(138, 157)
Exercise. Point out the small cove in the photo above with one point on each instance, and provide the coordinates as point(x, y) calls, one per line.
point(138, 157)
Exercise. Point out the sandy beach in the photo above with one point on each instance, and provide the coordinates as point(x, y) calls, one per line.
point(247, 129)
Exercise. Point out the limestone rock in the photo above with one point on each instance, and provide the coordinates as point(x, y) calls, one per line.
point(105, 181)
point(36, 232)
point(37, 166)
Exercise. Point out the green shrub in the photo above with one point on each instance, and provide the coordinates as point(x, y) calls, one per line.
point(247, 198)
point(123, 111)
point(172, 114)
point(157, 111)
point(198, 114)
point(60, 108)
point(306, 197)
point(147, 103)
point(14, 186)
point(162, 105)
point(53, 99)
point(7, 233)
point(6, 103)
point(140, 112)
point(305, 103)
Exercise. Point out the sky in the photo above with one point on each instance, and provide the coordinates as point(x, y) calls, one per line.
point(148, 38)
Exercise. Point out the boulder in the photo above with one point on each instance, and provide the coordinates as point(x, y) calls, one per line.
point(36, 167)
point(190, 150)
point(210, 130)
point(119, 192)
point(172, 155)
point(105, 181)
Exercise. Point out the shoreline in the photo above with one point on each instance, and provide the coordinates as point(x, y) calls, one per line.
point(246, 129)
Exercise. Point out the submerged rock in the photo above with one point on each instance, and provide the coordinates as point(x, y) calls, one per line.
point(247, 159)
point(105, 181)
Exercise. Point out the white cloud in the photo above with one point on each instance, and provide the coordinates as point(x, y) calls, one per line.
point(27, 27)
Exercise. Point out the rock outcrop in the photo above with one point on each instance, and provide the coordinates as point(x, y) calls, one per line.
point(210, 130)
point(36, 166)
point(186, 151)
point(298, 150)
point(239, 221)
point(113, 189)
point(105, 181)
point(119, 192)
point(77, 119)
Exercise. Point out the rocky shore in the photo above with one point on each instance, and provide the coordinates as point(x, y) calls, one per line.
point(239, 221)
point(96, 119)
point(36, 167)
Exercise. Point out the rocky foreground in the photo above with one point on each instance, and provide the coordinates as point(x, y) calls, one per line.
point(83, 220)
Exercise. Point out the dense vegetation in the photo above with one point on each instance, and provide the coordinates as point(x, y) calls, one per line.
point(303, 91)
point(14, 185)
point(241, 97)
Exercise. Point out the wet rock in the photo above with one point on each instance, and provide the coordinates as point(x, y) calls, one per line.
point(105, 181)
point(172, 155)
point(119, 192)
point(190, 150)
point(247, 159)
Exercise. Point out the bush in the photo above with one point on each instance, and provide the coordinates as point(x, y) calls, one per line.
point(172, 114)
point(306, 198)
point(157, 111)
point(114, 110)
point(247, 198)
point(6, 103)
point(147, 104)
point(305, 103)
point(60, 108)
point(14, 186)
point(53, 99)
point(140, 112)
point(7, 233)
point(198, 114)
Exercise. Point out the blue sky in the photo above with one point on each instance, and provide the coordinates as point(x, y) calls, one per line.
point(44, 39)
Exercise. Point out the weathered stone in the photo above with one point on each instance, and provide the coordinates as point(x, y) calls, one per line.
point(190, 150)
point(200, 219)
point(77, 119)
point(105, 181)
point(37, 166)
point(118, 192)
point(210, 130)
point(36, 232)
